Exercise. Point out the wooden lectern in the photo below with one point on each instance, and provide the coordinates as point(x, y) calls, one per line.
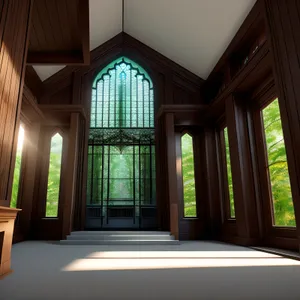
point(7, 222)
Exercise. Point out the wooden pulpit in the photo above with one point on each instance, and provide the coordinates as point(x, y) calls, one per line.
point(7, 222)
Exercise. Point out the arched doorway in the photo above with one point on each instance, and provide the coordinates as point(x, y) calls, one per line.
point(121, 191)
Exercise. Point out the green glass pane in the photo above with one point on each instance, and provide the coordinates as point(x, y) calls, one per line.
point(277, 168)
point(188, 176)
point(121, 176)
point(17, 170)
point(229, 174)
point(54, 176)
point(123, 100)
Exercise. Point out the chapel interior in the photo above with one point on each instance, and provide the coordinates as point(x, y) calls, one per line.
point(163, 129)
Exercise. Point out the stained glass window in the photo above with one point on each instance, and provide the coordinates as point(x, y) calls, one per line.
point(122, 97)
point(121, 155)
point(188, 176)
point(54, 176)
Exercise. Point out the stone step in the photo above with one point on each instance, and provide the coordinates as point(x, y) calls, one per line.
point(129, 237)
point(119, 242)
point(120, 238)
point(110, 232)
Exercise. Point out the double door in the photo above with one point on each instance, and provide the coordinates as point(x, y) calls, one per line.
point(121, 187)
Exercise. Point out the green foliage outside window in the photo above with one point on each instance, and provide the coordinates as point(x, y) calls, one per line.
point(229, 174)
point(17, 170)
point(54, 176)
point(189, 194)
point(277, 168)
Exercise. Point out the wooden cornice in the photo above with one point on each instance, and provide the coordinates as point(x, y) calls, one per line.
point(185, 115)
point(173, 108)
point(63, 109)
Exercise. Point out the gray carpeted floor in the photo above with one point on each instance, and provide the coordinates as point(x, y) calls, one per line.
point(192, 270)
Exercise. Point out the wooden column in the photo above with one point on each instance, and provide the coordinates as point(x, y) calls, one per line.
point(14, 27)
point(243, 185)
point(70, 179)
point(283, 20)
point(31, 143)
point(213, 217)
point(85, 100)
point(172, 176)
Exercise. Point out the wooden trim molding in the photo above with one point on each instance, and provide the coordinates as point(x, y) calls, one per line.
point(65, 109)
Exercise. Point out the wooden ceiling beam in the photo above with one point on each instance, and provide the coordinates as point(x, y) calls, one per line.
point(58, 58)
point(60, 33)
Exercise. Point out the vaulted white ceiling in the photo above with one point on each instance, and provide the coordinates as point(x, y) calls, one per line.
point(193, 33)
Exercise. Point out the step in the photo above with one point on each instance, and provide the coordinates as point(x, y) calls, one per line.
point(165, 233)
point(129, 237)
point(119, 242)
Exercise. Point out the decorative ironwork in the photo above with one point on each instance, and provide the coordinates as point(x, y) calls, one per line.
point(137, 136)
point(121, 155)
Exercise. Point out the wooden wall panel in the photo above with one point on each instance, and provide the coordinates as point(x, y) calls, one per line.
point(213, 217)
point(70, 175)
point(23, 224)
point(172, 174)
point(14, 29)
point(243, 184)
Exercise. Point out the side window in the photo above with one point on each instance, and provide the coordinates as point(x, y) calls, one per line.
point(188, 176)
point(229, 174)
point(54, 175)
point(17, 169)
point(277, 167)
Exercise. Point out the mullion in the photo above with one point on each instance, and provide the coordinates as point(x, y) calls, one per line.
point(108, 183)
point(133, 179)
point(102, 183)
point(149, 98)
point(130, 98)
point(150, 147)
point(108, 103)
point(143, 102)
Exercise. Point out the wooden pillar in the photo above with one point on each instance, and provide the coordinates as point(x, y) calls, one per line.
point(172, 176)
point(86, 96)
point(241, 164)
point(71, 173)
point(14, 27)
point(28, 187)
point(283, 20)
point(213, 217)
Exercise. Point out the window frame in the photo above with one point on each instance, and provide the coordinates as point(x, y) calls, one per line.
point(223, 172)
point(179, 168)
point(259, 101)
point(49, 133)
point(22, 166)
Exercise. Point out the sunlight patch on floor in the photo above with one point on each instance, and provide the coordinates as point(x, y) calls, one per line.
point(147, 260)
point(180, 254)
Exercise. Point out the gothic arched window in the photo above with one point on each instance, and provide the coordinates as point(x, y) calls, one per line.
point(121, 157)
